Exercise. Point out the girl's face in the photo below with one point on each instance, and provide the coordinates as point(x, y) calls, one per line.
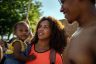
point(44, 30)
point(22, 31)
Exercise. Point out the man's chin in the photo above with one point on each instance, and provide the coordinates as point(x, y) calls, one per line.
point(70, 21)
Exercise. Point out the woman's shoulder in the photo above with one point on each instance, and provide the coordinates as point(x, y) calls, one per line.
point(58, 55)
point(58, 58)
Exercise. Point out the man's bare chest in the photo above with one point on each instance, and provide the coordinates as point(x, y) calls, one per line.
point(78, 48)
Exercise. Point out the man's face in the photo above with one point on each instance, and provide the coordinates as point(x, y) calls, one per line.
point(70, 9)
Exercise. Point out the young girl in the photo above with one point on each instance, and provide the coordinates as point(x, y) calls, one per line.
point(16, 49)
point(49, 36)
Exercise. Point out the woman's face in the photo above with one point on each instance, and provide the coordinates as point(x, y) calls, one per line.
point(44, 30)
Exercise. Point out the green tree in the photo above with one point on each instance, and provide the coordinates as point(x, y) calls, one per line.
point(12, 11)
point(34, 14)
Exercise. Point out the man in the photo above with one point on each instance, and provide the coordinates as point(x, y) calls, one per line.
point(82, 46)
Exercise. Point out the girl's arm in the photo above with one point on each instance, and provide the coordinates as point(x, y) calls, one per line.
point(17, 53)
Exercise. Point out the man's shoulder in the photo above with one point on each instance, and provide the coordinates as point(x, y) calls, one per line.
point(88, 36)
point(91, 35)
point(92, 31)
point(92, 39)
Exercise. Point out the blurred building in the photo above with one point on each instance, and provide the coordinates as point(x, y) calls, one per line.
point(69, 28)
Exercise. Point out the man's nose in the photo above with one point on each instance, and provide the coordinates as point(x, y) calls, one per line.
point(61, 9)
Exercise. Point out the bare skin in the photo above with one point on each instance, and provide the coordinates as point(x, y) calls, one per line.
point(79, 49)
point(82, 46)
point(1, 53)
point(42, 46)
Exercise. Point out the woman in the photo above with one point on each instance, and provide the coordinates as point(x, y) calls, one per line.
point(49, 36)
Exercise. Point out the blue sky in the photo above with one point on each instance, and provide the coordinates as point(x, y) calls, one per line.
point(51, 8)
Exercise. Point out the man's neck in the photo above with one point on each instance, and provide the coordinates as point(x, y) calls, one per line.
point(87, 18)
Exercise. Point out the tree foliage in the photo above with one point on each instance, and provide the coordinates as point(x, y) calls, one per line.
point(12, 11)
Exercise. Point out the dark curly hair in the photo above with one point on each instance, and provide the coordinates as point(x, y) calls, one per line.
point(92, 1)
point(58, 38)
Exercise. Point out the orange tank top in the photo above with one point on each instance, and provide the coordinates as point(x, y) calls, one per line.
point(43, 57)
